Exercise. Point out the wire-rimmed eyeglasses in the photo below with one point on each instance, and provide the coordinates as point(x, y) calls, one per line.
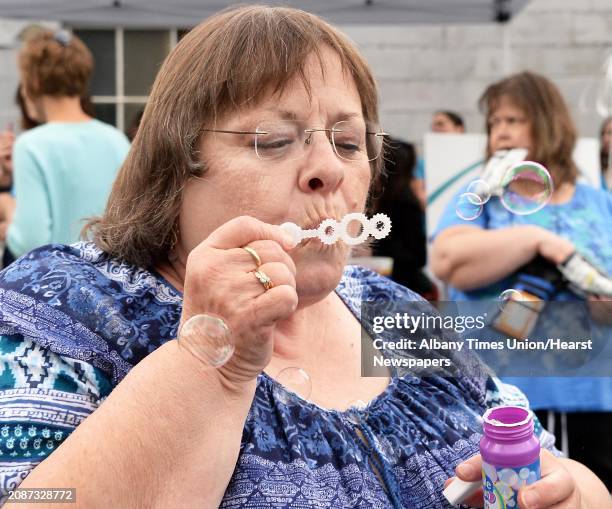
point(351, 140)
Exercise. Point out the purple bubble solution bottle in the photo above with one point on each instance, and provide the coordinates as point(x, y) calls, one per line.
point(510, 455)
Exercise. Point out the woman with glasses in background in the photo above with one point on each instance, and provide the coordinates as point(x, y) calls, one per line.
point(259, 116)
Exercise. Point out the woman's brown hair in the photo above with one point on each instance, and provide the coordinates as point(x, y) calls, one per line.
point(229, 61)
point(55, 64)
point(553, 132)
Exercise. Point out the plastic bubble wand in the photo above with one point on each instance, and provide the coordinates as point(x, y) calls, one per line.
point(330, 230)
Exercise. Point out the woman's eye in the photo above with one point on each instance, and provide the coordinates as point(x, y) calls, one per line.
point(347, 146)
point(272, 144)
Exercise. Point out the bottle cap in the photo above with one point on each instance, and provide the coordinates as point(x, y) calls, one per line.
point(458, 491)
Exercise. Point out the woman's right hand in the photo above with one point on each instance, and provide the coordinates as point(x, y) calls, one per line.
point(553, 247)
point(219, 281)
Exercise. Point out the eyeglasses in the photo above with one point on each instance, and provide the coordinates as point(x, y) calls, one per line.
point(285, 140)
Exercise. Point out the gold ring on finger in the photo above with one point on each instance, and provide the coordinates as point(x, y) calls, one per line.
point(263, 278)
point(253, 254)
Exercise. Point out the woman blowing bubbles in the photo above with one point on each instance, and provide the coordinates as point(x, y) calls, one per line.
point(200, 185)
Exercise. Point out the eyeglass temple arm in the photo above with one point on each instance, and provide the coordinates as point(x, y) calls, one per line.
point(234, 132)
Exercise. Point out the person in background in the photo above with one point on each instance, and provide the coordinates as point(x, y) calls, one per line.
point(134, 125)
point(407, 242)
point(483, 257)
point(7, 203)
point(64, 168)
point(443, 121)
point(605, 154)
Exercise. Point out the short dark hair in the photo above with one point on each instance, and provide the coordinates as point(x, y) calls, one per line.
point(453, 116)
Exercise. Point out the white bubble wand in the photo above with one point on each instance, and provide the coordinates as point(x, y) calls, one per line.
point(330, 230)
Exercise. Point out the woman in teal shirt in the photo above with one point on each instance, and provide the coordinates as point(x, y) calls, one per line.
point(63, 169)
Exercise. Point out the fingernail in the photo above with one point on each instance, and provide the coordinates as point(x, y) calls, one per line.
point(465, 471)
point(531, 499)
point(289, 241)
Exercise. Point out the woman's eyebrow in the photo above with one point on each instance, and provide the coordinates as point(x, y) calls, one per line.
point(284, 114)
point(291, 115)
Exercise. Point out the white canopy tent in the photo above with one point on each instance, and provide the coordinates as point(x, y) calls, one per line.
point(187, 13)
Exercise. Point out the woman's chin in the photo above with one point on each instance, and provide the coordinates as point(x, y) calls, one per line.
point(318, 276)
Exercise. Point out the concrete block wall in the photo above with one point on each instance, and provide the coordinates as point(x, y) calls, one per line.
point(423, 68)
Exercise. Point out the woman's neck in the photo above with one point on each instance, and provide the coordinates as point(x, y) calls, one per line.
point(63, 109)
point(563, 193)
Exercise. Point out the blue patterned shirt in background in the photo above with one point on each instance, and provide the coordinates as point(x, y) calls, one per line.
point(74, 321)
point(585, 220)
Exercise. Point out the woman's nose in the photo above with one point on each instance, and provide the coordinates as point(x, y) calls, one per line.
point(321, 170)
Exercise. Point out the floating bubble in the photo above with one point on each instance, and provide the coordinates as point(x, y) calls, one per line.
point(524, 473)
point(208, 338)
point(527, 187)
point(469, 206)
point(281, 395)
point(508, 296)
point(295, 380)
point(481, 189)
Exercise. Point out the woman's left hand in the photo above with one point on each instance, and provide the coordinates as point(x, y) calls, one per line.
point(556, 489)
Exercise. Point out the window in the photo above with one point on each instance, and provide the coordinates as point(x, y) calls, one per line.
point(126, 63)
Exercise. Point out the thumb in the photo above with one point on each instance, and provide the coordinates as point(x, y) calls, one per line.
point(471, 469)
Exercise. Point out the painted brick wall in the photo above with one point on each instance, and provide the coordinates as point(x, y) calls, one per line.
point(424, 68)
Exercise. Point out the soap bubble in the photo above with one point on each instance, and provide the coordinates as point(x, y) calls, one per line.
point(295, 380)
point(209, 339)
point(469, 206)
point(508, 296)
point(527, 187)
point(524, 473)
point(481, 189)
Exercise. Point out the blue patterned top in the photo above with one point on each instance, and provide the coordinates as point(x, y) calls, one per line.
point(73, 321)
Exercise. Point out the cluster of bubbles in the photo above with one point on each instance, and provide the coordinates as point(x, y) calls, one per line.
point(506, 484)
point(525, 188)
